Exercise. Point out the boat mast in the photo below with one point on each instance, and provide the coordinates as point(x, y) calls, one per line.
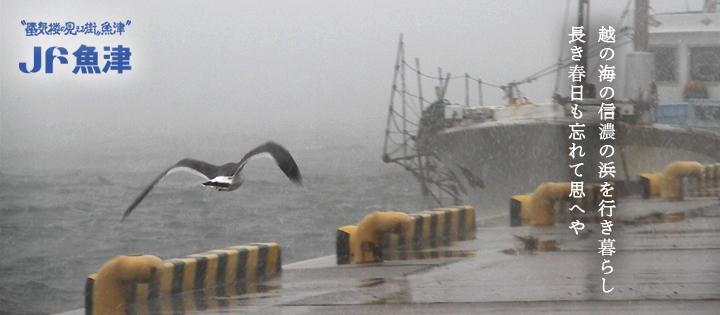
point(641, 25)
point(583, 19)
point(583, 11)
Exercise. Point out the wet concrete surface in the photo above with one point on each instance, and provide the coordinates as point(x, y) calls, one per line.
point(544, 307)
point(659, 267)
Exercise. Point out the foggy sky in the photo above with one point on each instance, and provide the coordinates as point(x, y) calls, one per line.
point(263, 66)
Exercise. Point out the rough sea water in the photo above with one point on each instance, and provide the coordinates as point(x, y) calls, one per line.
point(61, 207)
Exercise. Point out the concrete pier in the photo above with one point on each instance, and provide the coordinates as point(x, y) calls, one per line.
point(667, 261)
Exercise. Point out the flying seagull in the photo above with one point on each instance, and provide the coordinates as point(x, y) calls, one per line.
point(227, 177)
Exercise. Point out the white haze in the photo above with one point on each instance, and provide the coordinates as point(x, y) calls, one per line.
point(265, 68)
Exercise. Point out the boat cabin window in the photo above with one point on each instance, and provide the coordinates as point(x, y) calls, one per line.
point(705, 64)
point(665, 63)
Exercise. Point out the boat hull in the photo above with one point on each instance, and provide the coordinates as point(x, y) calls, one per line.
point(514, 158)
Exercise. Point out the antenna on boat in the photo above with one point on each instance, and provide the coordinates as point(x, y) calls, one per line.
point(442, 88)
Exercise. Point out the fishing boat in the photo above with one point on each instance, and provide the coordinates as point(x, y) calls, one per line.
point(666, 110)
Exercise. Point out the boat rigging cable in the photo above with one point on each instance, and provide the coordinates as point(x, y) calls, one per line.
point(594, 49)
point(555, 68)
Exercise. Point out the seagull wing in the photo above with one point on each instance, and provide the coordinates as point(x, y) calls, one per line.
point(278, 153)
point(196, 167)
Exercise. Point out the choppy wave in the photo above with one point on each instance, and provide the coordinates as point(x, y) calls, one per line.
point(61, 223)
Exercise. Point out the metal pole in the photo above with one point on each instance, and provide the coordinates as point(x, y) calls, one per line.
point(423, 186)
point(447, 81)
point(440, 75)
point(438, 89)
point(404, 108)
point(467, 90)
point(582, 9)
point(641, 25)
point(480, 98)
point(398, 57)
